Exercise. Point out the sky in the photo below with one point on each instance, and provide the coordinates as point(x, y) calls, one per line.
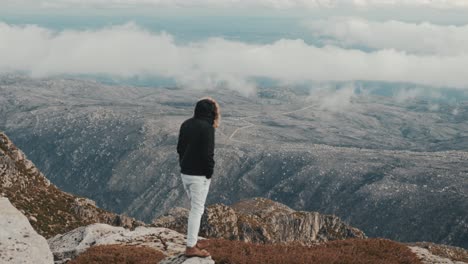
point(233, 43)
point(278, 4)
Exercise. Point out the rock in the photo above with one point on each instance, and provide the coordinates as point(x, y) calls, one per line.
point(265, 221)
point(176, 218)
point(75, 242)
point(428, 258)
point(19, 243)
point(221, 221)
point(445, 251)
point(182, 259)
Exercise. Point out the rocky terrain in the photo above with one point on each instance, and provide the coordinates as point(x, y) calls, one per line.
point(394, 169)
point(251, 220)
point(50, 210)
point(260, 220)
point(20, 243)
point(443, 251)
point(69, 245)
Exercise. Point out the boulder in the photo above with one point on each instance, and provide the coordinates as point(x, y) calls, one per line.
point(19, 243)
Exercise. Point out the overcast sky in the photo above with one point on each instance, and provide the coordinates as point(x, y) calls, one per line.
point(363, 45)
point(279, 4)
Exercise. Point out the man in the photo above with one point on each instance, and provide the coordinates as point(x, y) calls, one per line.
point(196, 159)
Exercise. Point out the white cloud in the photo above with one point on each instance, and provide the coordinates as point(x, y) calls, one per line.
point(128, 50)
point(279, 4)
point(414, 38)
point(404, 95)
point(411, 3)
point(334, 100)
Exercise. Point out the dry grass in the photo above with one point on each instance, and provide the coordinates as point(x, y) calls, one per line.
point(350, 251)
point(375, 251)
point(118, 254)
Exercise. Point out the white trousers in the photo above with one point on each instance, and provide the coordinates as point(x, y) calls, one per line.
point(197, 189)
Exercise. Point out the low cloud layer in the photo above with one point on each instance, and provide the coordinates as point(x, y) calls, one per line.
point(277, 4)
point(422, 38)
point(129, 50)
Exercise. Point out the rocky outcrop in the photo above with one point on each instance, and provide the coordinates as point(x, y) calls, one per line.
point(262, 220)
point(430, 251)
point(49, 210)
point(75, 242)
point(428, 257)
point(19, 243)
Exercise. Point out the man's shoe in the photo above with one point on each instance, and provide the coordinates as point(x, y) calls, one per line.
point(202, 244)
point(196, 252)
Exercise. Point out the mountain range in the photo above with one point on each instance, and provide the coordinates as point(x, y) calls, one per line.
point(394, 169)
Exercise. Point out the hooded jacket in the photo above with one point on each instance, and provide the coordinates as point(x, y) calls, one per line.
point(197, 140)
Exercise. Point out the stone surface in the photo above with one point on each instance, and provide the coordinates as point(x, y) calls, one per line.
point(182, 259)
point(444, 251)
point(263, 220)
point(19, 243)
point(428, 258)
point(75, 242)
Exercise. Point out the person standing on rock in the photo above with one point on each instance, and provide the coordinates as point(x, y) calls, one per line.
point(196, 159)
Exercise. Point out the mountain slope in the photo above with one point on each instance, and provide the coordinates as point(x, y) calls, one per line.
point(49, 210)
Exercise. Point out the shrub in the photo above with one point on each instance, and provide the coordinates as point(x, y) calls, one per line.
point(363, 251)
point(119, 254)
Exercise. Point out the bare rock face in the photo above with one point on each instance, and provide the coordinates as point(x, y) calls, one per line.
point(19, 243)
point(49, 210)
point(75, 242)
point(176, 218)
point(222, 221)
point(264, 221)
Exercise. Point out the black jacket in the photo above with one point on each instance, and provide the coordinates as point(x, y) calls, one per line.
point(197, 140)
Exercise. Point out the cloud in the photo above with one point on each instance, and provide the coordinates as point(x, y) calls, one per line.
point(129, 50)
point(443, 4)
point(332, 99)
point(422, 38)
point(277, 4)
